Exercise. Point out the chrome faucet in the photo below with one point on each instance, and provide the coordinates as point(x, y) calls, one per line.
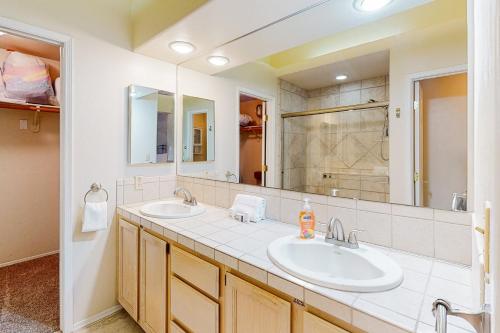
point(335, 235)
point(188, 197)
point(480, 320)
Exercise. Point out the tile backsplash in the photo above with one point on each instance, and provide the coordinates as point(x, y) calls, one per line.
point(436, 233)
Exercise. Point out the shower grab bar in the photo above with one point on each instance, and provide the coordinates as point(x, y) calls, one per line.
point(479, 320)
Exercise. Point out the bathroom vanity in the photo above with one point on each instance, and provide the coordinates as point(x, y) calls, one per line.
point(210, 273)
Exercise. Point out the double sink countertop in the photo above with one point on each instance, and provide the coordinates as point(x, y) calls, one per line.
point(243, 247)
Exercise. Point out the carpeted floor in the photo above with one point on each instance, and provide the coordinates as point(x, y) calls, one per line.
point(29, 296)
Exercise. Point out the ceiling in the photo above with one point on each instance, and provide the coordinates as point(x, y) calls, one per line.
point(358, 68)
point(232, 28)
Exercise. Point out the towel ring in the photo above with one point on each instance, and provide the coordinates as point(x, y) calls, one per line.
point(94, 188)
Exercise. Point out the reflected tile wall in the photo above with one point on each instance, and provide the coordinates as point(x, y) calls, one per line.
point(345, 151)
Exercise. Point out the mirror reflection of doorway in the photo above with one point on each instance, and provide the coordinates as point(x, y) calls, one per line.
point(252, 140)
point(199, 137)
point(441, 142)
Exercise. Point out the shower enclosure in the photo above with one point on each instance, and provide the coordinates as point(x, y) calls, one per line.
point(343, 151)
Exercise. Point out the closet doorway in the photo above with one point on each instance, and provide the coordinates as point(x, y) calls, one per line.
point(440, 116)
point(252, 133)
point(30, 155)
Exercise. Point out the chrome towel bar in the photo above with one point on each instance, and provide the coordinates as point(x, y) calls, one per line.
point(94, 188)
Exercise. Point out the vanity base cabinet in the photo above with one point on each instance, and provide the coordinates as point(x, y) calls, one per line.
point(313, 324)
point(191, 309)
point(153, 284)
point(250, 309)
point(128, 267)
point(174, 328)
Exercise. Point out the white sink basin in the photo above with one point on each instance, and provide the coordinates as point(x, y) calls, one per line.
point(170, 210)
point(315, 261)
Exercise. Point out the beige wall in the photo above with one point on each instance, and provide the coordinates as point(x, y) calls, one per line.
point(29, 195)
point(426, 50)
point(444, 111)
point(104, 66)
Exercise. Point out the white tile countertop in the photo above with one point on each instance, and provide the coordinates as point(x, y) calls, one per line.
point(243, 247)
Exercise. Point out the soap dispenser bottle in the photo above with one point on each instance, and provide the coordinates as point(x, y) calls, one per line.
point(306, 221)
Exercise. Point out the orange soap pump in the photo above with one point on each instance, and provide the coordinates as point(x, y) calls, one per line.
point(306, 221)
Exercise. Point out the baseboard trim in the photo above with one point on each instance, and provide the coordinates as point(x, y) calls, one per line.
point(97, 317)
point(17, 261)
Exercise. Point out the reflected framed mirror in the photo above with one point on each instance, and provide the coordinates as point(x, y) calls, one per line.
point(151, 125)
point(198, 129)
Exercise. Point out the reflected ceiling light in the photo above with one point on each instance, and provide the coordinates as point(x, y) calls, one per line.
point(2, 33)
point(370, 5)
point(181, 47)
point(341, 77)
point(218, 60)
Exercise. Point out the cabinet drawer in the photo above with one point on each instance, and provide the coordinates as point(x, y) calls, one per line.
point(186, 301)
point(196, 271)
point(174, 328)
point(313, 324)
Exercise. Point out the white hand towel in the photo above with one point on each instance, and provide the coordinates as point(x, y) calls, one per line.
point(254, 206)
point(95, 216)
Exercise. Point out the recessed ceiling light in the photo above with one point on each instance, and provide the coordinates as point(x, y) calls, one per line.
point(341, 77)
point(218, 60)
point(182, 47)
point(370, 5)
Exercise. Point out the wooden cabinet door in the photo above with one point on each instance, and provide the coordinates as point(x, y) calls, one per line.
point(153, 284)
point(174, 328)
point(250, 309)
point(128, 267)
point(313, 324)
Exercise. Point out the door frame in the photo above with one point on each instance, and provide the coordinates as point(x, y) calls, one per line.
point(270, 140)
point(66, 160)
point(413, 80)
point(189, 138)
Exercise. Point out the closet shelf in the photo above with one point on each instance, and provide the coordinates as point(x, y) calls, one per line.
point(28, 106)
point(255, 129)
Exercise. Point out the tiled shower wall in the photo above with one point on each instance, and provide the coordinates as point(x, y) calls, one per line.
point(346, 151)
point(436, 233)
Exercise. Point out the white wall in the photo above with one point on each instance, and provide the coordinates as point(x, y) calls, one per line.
point(427, 50)
point(103, 69)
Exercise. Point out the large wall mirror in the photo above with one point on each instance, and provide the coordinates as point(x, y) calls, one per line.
point(198, 129)
point(373, 106)
point(151, 125)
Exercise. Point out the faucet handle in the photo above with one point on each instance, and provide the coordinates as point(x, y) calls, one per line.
point(353, 238)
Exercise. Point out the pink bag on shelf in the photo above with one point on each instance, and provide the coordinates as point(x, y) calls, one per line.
point(27, 77)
